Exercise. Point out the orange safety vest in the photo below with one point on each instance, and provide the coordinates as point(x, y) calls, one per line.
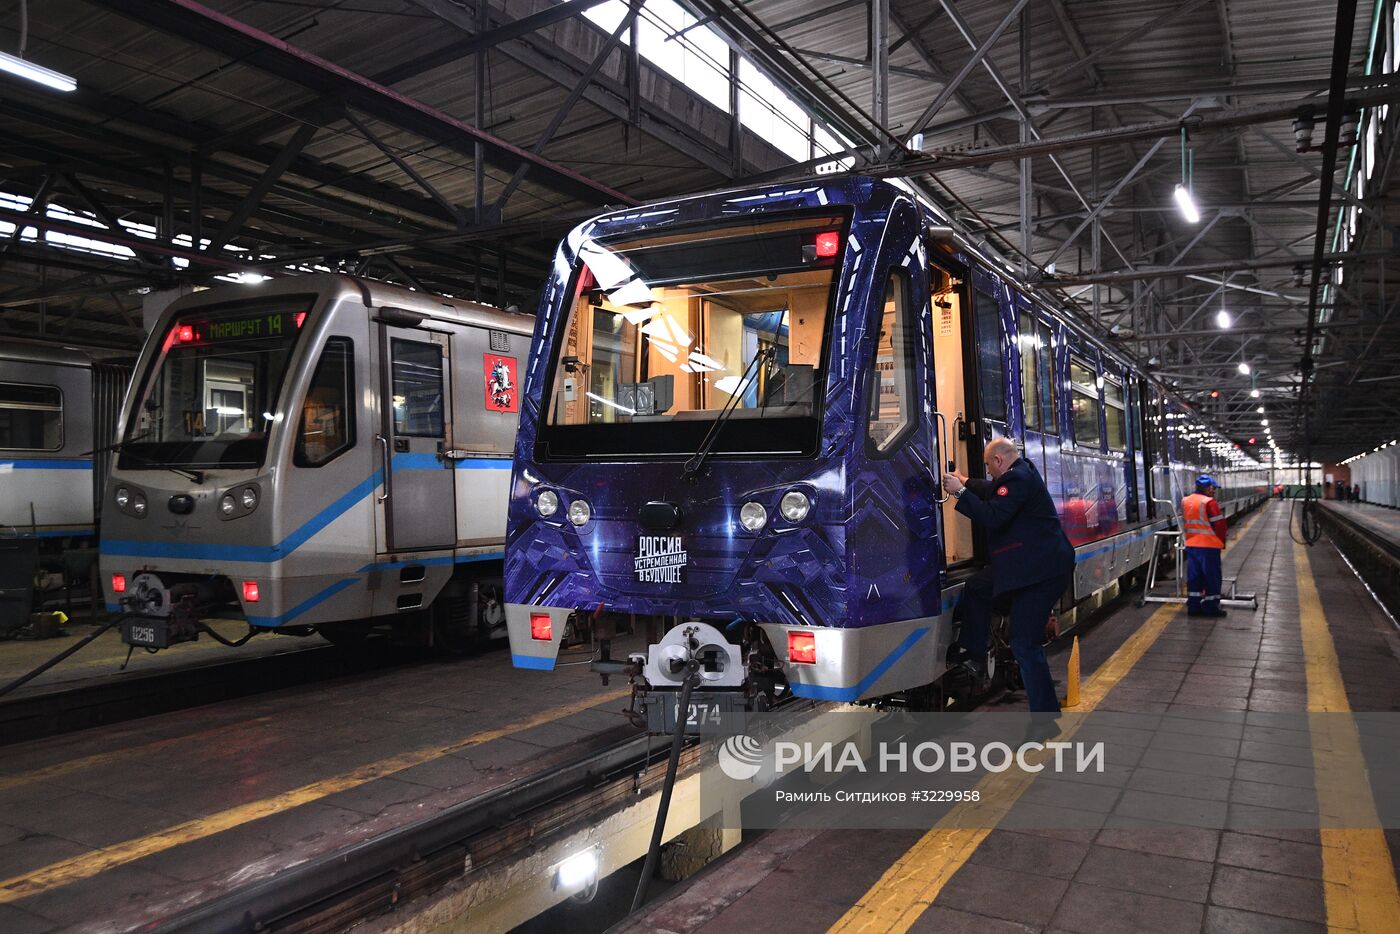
point(1196, 523)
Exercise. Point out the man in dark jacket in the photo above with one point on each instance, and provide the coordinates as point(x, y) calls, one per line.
point(1031, 563)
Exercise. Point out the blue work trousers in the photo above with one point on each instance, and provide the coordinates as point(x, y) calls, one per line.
point(1203, 581)
point(1030, 609)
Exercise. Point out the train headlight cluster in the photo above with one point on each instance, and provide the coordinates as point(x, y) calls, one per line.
point(547, 503)
point(239, 501)
point(753, 516)
point(795, 505)
point(130, 500)
point(579, 512)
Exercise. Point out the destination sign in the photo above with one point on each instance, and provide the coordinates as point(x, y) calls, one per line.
point(247, 327)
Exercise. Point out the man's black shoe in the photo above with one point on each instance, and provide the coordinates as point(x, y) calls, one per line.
point(1042, 728)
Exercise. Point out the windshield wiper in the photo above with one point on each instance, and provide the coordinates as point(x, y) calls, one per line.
point(120, 447)
point(696, 462)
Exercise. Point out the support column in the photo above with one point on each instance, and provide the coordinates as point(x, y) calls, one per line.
point(880, 67)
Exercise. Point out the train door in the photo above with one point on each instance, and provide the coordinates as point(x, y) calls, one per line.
point(418, 493)
point(952, 344)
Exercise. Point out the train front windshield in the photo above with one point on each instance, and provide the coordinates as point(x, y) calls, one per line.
point(671, 329)
point(211, 395)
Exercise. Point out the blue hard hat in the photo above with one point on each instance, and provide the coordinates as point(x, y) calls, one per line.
point(1206, 479)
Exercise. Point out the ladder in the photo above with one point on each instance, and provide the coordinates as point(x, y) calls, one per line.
point(1172, 541)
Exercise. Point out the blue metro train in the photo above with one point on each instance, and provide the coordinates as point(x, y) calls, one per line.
point(734, 416)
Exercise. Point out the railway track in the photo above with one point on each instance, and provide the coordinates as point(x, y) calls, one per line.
point(127, 696)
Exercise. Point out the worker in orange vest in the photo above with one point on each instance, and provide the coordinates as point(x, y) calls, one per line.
point(1204, 526)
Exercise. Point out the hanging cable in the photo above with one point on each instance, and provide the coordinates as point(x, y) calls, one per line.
point(26, 678)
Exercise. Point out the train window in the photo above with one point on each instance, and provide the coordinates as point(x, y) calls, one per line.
point(892, 380)
point(31, 417)
point(1026, 339)
point(1114, 414)
point(991, 365)
point(327, 422)
point(1084, 400)
point(1045, 351)
point(416, 368)
point(675, 328)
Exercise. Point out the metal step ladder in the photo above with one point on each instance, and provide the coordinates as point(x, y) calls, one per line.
point(1172, 541)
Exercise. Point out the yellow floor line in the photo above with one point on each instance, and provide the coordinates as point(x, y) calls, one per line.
point(1357, 867)
point(909, 887)
point(90, 864)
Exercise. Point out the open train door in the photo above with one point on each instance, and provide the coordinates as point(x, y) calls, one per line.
point(418, 494)
point(952, 338)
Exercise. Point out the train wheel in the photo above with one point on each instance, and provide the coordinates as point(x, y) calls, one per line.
point(452, 634)
point(350, 636)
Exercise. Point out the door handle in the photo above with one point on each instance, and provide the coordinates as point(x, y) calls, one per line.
point(940, 430)
point(384, 457)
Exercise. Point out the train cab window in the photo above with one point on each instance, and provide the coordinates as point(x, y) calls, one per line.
point(327, 426)
point(31, 417)
point(892, 380)
point(1084, 401)
point(1045, 354)
point(1026, 338)
point(416, 368)
point(1114, 414)
point(991, 365)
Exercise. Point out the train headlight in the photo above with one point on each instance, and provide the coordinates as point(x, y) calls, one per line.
point(138, 505)
point(123, 497)
point(753, 516)
point(547, 503)
point(249, 497)
point(227, 505)
point(579, 512)
point(795, 505)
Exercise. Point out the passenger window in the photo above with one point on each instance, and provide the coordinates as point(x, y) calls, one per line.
point(327, 426)
point(31, 417)
point(892, 382)
point(1084, 400)
point(418, 396)
point(990, 366)
point(1026, 339)
point(1114, 412)
point(1045, 351)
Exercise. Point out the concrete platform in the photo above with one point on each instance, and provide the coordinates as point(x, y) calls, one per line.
point(1317, 643)
point(113, 829)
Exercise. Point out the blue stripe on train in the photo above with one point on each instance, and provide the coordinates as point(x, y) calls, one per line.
point(47, 463)
point(257, 553)
point(534, 662)
point(49, 533)
point(821, 692)
point(433, 462)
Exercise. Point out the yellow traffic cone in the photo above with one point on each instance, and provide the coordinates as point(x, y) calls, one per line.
point(1072, 692)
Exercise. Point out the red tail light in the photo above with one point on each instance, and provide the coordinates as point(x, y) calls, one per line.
point(298, 318)
point(802, 648)
point(541, 627)
point(250, 591)
point(828, 242)
point(184, 334)
point(118, 583)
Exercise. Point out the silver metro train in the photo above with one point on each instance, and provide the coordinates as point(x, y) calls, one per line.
point(58, 407)
point(315, 451)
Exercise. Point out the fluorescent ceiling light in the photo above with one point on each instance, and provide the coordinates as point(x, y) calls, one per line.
point(1187, 204)
point(36, 73)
